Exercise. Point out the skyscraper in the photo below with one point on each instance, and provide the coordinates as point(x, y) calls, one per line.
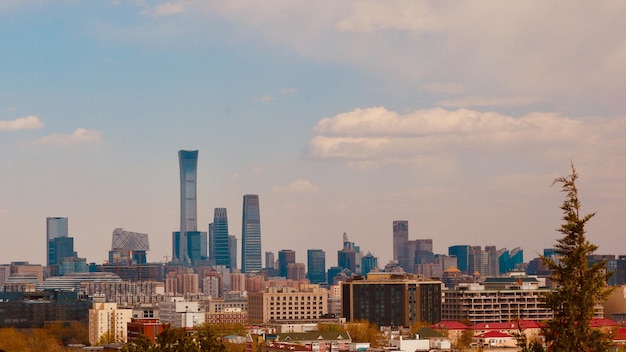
point(251, 235)
point(461, 252)
point(232, 242)
point(188, 164)
point(285, 257)
point(316, 266)
point(400, 243)
point(221, 244)
point(56, 227)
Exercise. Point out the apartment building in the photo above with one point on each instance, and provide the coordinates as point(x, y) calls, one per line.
point(277, 304)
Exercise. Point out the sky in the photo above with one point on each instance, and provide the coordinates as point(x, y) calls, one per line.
point(343, 116)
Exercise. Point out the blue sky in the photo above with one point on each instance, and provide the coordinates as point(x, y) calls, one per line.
point(342, 116)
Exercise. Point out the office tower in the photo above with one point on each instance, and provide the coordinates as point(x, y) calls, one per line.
point(484, 262)
point(56, 227)
point(221, 243)
point(400, 240)
point(251, 235)
point(349, 257)
point(211, 243)
point(232, 241)
point(423, 252)
point(316, 266)
point(369, 263)
point(128, 247)
point(188, 165)
point(269, 260)
point(461, 252)
point(296, 271)
point(285, 257)
point(391, 299)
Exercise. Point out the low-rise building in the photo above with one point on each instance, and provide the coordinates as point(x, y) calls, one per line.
point(181, 313)
point(277, 304)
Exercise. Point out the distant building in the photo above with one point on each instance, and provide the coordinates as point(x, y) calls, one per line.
point(498, 300)
point(221, 242)
point(251, 235)
point(316, 266)
point(188, 166)
point(349, 257)
point(510, 260)
point(147, 327)
point(232, 242)
point(296, 271)
point(58, 244)
point(484, 262)
point(107, 319)
point(369, 263)
point(390, 299)
point(128, 248)
point(25, 310)
point(181, 313)
point(269, 260)
point(285, 257)
point(277, 304)
point(461, 252)
point(400, 242)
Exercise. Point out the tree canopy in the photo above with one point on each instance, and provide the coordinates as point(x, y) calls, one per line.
point(580, 286)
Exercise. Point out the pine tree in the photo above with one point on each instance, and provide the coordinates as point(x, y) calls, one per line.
point(579, 286)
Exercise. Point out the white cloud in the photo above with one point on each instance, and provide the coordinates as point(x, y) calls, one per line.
point(288, 91)
point(377, 135)
point(22, 123)
point(264, 99)
point(79, 136)
point(298, 187)
point(472, 101)
point(570, 56)
point(165, 9)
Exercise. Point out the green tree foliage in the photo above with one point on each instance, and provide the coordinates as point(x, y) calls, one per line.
point(579, 286)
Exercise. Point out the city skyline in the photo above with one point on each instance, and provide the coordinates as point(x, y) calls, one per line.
point(342, 117)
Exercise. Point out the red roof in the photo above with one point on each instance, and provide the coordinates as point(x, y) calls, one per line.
point(523, 324)
point(602, 322)
point(449, 325)
point(492, 335)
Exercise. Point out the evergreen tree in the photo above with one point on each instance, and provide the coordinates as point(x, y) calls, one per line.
point(579, 286)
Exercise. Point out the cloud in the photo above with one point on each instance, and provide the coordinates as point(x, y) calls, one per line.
point(472, 101)
point(264, 99)
point(165, 9)
point(298, 187)
point(570, 56)
point(22, 123)
point(12, 108)
point(376, 135)
point(288, 91)
point(79, 136)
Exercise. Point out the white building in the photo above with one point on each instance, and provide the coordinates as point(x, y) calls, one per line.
point(181, 313)
point(107, 318)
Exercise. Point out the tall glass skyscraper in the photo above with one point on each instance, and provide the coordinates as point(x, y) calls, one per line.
point(316, 266)
point(251, 235)
point(188, 163)
point(221, 243)
point(56, 227)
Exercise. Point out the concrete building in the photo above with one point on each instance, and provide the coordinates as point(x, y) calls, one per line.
point(391, 299)
point(277, 304)
point(107, 319)
point(251, 235)
point(497, 300)
point(296, 271)
point(181, 313)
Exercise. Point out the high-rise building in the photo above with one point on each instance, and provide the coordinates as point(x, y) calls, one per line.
point(349, 257)
point(316, 266)
point(368, 263)
point(269, 260)
point(56, 227)
point(251, 235)
point(484, 262)
point(296, 271)
point(461, 252)
point(391, 299)
point(188, 165)
point(232, 242)
point(285, 257)
point(221, 243)
point(400, 241)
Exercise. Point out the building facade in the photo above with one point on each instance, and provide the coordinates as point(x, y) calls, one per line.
point(400, 241)
point(277, 304)
point(188, 166)
point(251, 259)
point(391, 299)
point(285, 257)
point(316, 266)
point(108, 321)
point(500, 300)
point(221, 244)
